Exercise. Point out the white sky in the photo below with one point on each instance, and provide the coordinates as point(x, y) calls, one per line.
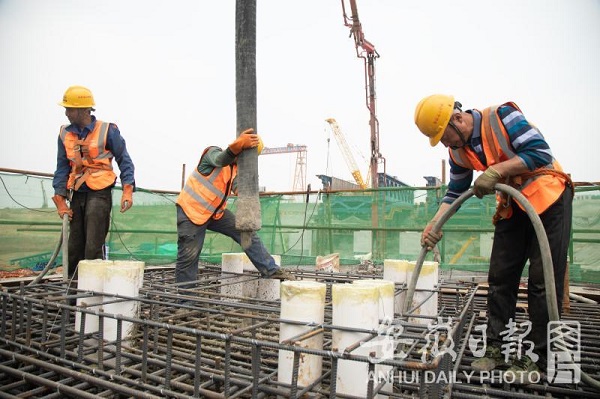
point(164, 71)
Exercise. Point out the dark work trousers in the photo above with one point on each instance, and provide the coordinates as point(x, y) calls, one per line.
point(515, 242)
point(190, 239)
point(89, 226)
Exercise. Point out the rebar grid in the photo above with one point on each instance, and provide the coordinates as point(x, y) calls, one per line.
point(200, 343)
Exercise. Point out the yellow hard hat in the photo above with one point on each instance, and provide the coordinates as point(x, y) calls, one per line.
point(432, 116)
point(77, 97)
point(260, 146)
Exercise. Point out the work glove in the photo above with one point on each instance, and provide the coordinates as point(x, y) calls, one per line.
point(247, 139)
point(485, 183)
point(126, 197)
point(428, 238)
point(61, 206)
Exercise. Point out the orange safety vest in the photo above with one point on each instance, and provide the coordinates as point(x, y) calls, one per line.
point(204, 197)
point(91, 162)
point(542, 187)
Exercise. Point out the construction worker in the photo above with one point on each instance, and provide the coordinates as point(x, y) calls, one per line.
point(84, 176)
point(508, 149)
point(202, 205)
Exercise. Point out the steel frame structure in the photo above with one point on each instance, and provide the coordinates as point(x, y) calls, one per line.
point(225, 346)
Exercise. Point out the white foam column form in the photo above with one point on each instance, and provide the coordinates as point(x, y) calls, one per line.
point(302, 301)
point(386, 296)
point(426, 284)
point(268, 288)
point(395, 270)
point(121, 278)
point(134, 263)
point(140, 277)
point(384, 344)
point(355, 306)
point(90, 276)
point(249, 286)
point(232, 285)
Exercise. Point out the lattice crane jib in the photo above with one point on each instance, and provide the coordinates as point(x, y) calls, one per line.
point(345, 149)
point(300, 170)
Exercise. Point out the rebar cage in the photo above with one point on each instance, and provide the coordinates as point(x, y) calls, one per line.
point(198, 342)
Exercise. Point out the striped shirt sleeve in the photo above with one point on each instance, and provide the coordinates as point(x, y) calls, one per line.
point(526, 139)
point(460, 181)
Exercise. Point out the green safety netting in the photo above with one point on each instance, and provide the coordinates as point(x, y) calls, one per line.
point(298, 227)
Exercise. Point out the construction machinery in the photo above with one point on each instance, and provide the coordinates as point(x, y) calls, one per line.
point(300, 171)
point(366, 51)
point(348, 157)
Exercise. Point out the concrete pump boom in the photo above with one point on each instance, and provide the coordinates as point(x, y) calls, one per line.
point(366, 51)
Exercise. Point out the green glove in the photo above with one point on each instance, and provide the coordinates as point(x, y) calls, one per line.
point(485, 183)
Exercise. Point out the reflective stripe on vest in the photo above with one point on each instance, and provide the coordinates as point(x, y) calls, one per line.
point(91, 162)
point(542, 190)
point(204, 197)
point(493, 137)
point(208, 184)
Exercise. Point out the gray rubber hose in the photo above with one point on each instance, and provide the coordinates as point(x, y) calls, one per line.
point(547, 265)
point(62, 242)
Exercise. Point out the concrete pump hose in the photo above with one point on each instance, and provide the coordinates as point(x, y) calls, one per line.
point(65, 247)
point(62, 242)
point(546, 254)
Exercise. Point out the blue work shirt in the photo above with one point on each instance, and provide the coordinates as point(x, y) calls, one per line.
point(115, 143)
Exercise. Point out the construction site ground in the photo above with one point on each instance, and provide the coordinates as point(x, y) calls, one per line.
point(219, 346)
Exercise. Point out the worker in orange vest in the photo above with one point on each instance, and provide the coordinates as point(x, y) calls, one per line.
point(84, 176)
point(501, 142)
point(202, 205)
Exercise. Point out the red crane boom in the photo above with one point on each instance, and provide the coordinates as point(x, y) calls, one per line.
point(366, 51)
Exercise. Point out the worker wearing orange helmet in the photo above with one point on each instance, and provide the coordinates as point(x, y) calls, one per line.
point(507, 148)
point(84, 175)
point(202, 205)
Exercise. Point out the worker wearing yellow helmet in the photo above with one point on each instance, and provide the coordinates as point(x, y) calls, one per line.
point(84, 175)
point(78, 97)
point(202, 205)
point(507, 148)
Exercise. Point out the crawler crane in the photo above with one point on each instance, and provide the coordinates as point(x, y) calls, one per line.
point(343, 144)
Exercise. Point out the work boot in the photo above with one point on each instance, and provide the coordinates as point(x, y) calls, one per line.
point(281, 274)
point(492, 358)
point(524, 371)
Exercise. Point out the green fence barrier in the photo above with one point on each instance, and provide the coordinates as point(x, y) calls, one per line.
point(359, 225)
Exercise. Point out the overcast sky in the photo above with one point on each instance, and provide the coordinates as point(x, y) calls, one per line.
point(164, 72)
